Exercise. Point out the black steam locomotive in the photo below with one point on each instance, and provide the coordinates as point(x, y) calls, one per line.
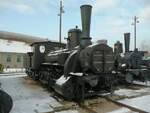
point(80, 70)
point(130, 64)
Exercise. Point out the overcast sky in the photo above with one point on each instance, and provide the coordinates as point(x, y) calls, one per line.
point(110, 18)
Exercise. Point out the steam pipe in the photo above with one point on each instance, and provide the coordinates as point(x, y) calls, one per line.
point(86, 22)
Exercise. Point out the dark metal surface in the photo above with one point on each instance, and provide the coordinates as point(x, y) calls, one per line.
point(118, 47)
point(6, 102)
point(127, 41)
point(73, 38)
point(97, 58)
point(86, 22)
point(38, 56)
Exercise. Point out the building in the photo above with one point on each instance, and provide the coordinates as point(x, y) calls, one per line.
point(11, 59)
point(14, 46)
point(147, 54)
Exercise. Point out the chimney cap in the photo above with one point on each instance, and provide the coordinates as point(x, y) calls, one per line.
point(127, 33)
point(86, 5)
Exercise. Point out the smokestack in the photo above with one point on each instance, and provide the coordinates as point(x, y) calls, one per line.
point(86, 21)
point(127, 41)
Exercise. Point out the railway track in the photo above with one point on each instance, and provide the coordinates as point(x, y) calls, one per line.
point(67, 105)
point(110, 98)
point(124, 105)
point(115, 101)
point(86, 107)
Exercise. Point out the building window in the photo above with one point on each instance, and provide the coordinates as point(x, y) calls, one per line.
point(9, 58)
point(18, 58)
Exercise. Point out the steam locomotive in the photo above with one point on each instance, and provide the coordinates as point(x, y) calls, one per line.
point(80, 70)
point(130, 64)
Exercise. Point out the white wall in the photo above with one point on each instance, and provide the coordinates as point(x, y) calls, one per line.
point(13, 46)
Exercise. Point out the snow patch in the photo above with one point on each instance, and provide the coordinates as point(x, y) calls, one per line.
point(28, 96)
point(131, 93)
point(62, 80)
point(142, 103)
point(122, 110)
point(12, 75)
point(69, 111)
point(142, 83)
point(76, 74)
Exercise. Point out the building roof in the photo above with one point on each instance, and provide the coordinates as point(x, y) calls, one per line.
point(19, 43)
point(5, 35)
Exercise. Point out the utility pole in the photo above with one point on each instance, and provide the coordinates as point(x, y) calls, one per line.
point(60, 20)
point(134, 24)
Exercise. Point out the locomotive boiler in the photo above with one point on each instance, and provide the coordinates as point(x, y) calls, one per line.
point(82, 69)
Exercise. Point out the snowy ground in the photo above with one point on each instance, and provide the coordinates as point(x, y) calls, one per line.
point(142, 103)
point(14, 75)
point(142, 83)
point(30, 97)
point(122, 110)
point(139, 99)
point(132, 93)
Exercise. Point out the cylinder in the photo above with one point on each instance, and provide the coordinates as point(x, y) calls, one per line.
point(86, 22)
point(127, 41)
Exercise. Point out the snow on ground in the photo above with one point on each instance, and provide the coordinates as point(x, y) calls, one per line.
point(136, 98)
point(27, 97)
point(68, 111)
point(132, 93)
point(11, 70)
point(10, 75)
point(122, 110)
point(142, 83)
point(142, 102)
